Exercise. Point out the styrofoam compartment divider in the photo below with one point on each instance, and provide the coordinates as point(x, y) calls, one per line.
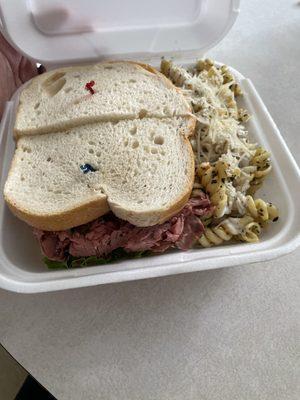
point(22, 268)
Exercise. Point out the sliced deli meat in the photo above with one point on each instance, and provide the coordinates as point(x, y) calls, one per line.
point(108, 233)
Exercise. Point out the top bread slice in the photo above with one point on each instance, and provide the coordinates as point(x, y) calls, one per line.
point(59, 99)
point(142, 170)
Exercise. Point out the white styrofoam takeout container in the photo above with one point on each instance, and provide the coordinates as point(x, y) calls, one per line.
point(58, 35)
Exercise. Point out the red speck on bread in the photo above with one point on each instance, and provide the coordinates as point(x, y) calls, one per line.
point(89, 87)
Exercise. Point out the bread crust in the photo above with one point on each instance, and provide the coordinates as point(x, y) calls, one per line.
point(80, 215)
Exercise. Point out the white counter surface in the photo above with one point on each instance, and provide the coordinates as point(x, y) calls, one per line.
point(230, 334)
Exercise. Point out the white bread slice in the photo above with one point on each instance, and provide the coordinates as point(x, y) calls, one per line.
point(144, 173)
point(58, 99)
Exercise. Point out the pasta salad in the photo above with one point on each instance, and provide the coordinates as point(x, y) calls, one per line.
point(229, 168)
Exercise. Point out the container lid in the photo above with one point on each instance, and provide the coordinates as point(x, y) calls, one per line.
point(69, 31)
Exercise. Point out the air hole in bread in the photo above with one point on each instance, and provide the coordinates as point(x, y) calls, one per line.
point(56, 87)
point(91, 151)
point(38, 112)
point(36, 106)
point(132, 80)
point(147, 150)
point(53, 78)
point(98, 154)
point(57, 192)
point(108, 67)
point(77, 76)
point(135, 144)
point(126, 143)
point(22, 178)
point(154, 151)
point(26, 149)
point(166, 110)
point(133, 130)
point(54, 83)
point(140, 201)
point(68, 89)
point(92, 143)
point(142, 113)
point(49, 159)
point(159, 140)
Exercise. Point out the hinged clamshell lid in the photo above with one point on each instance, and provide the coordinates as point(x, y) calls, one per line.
point(70, 31)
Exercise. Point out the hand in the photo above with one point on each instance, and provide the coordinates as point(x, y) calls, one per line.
point(15, 69)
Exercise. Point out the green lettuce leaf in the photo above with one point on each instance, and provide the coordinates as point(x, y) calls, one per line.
point(55, 264)
point(79, 262)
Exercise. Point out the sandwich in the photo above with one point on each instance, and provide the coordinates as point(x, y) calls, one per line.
point(103, 164)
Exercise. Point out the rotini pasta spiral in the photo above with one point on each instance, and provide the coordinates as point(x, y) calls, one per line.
point(244, 229)
point(179, 76)
point(216, 180)
point(260, 210)
point(204, 64)
point(261, 160)
point(214, 236)
point(211, 180)
point(250, 233)
point(227, 76)
point(243, 115)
